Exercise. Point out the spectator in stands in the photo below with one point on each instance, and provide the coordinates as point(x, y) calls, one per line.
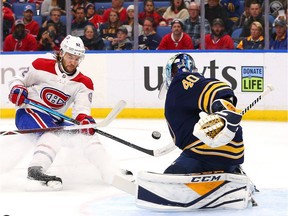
point(117, 5)
point(55, 15)
point(20, 40)
point(47, 5)
point(77, 4)
point(37, 2)
point(233, 12)
point(177, 39)
point(275, 6)
point(279, 38)
point(255, 40)
point(243, 17)
point(255, 15)
point(149, 11)
point(49, 39)
point(8, 18)
point(108, 29)
point(214, 10)
point(79, 23)
point(91, 39)
point(129, 24)
point(92, 16)
point(62, 6)
point(218, 39)
point(121, 41)
point(149, 40)
point(177, 9)
point(193, 24)
point(31, 25)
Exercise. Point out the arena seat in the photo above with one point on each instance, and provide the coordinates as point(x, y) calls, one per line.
point(163, 30)
point(102, 5)
point(160, 4)
point(140, 5)
point(18, 8)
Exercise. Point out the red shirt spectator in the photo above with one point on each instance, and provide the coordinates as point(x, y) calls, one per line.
point(19, 40)
point(169, 43)
point(218, 39)
point(92, 16)
point(224, 42)
point(177, 39)
point(117, 5)
point(149, 11)
point(31, 25)
point(8, 14)
point(8, 18)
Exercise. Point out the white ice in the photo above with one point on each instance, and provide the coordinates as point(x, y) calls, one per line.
point(84, 194)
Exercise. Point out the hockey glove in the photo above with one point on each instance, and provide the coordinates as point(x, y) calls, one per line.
point(84, 120)
point(18, 94)
point(217, 129)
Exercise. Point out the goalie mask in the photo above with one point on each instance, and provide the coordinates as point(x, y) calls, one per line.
point(179, 63)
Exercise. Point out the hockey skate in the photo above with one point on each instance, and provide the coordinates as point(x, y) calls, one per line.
point(38, 181)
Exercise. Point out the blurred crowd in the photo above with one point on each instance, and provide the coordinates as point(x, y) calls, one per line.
point(41, 25)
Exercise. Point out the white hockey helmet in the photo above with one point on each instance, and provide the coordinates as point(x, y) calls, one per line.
point(73, 45)
point(179, 63)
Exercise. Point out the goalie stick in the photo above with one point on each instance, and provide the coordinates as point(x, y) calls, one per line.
point(157, 152)
point(73, 128)
point(268, 89)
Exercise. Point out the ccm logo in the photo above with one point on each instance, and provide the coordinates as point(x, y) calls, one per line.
point(206, 178)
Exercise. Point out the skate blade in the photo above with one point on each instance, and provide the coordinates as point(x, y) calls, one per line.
point(34, 186)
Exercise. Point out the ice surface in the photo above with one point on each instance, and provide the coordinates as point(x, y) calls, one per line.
point(85, 194)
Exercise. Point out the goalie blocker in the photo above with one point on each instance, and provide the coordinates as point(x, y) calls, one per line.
point(173, 192)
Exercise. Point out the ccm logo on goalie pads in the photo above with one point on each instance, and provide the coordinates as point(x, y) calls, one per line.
point(217, 129)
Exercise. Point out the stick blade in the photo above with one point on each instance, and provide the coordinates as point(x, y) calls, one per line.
point(270, 87)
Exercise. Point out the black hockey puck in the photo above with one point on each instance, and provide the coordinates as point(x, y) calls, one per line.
point(156, 135)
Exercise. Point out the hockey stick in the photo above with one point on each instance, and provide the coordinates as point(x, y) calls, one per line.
point(111, 116)
point(158, 152)
point(73, 128)
point(267, 90)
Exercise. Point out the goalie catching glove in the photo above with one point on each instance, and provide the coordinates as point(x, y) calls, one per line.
point(217, 129)
point(84, 120)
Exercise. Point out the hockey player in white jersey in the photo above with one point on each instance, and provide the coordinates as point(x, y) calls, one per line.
point(57, 84)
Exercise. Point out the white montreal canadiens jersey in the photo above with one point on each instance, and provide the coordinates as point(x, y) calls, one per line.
point(50, 87)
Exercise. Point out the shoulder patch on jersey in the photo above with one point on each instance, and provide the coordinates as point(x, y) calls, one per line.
point(43, 64)
point(81, 78)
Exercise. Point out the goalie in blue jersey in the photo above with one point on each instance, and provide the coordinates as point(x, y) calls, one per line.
point(204, 124)
point(202, 119)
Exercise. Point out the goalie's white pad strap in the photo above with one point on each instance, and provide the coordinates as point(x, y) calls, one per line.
point(189, 192)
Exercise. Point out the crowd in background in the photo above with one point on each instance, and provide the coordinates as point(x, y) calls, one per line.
point(41, 25)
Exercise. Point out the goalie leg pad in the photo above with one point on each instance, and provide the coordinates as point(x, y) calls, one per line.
point(190, 192)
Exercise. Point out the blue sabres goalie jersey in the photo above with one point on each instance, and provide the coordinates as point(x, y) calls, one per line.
point(187, 96)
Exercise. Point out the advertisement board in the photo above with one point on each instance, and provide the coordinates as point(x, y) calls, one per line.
point(137, 77)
